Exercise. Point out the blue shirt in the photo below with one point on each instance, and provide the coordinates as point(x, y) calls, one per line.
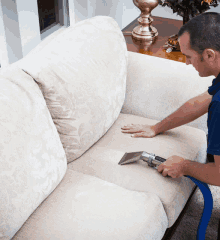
point(213, 122)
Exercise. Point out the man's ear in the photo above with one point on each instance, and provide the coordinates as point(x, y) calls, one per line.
point(209, 54)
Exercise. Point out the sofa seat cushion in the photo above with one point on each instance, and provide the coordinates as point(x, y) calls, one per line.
point(102, 161)
point(32, 158)
point(82, 75)
point(84, 207)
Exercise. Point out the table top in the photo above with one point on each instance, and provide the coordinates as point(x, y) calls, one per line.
point(165, 27)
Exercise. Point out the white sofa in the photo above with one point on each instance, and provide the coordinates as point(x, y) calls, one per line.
point(62, 110)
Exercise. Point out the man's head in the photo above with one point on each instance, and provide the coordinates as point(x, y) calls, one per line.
point(199, 40)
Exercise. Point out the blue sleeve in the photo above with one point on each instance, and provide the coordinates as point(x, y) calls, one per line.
point(214, 129)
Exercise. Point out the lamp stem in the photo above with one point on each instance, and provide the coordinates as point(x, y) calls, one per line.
point(144, 30)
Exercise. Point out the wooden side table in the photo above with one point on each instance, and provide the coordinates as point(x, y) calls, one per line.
point(165, 27)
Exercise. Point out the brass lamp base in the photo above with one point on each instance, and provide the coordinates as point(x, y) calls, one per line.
point(144, 44)
point(145, 30)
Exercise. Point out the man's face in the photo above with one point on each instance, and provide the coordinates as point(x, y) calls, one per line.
point(192, 57)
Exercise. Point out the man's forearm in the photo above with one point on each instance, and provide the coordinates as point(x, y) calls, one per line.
point(185, 114)
point(207, 173)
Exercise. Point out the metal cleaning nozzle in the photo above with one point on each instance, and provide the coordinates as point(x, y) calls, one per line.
point(152, 160)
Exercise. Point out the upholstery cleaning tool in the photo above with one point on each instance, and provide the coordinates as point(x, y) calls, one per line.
point(154, 161)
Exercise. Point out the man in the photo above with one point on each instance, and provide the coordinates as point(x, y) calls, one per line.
point(199, 41)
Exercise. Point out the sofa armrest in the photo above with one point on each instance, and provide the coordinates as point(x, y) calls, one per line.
point(156, 87)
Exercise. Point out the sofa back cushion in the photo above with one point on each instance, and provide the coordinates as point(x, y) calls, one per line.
point(161, 86)
point(82, 75)
point(32, 159)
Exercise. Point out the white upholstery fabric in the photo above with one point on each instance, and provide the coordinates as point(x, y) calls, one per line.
point(82, 75)
point(32, 159)
point(156, 87)
point(83, 207)
point(102, 161)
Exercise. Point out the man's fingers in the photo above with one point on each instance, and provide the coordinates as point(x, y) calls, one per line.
point(127, 127)
point(131, 131)
point(165, 172)
point(140, 134)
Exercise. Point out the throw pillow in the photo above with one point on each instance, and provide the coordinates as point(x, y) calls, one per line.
point(82, 75)
point(32, 158)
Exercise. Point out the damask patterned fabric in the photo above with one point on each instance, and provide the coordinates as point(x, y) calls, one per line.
point(102, 161)
point(32, 159)
point(84, 207)
point(82, 75)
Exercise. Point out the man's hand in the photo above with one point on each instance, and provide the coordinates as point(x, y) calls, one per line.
point(140, 130)
point(173, 167)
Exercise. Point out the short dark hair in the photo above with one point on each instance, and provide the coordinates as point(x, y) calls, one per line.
point(204, 31)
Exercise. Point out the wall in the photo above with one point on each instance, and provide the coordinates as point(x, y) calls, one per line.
point(72, 12)
point(29, 25)
point(3, 49)
point(19, 26)
point(123, 11)
point(11, 31)
point(20, 29)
